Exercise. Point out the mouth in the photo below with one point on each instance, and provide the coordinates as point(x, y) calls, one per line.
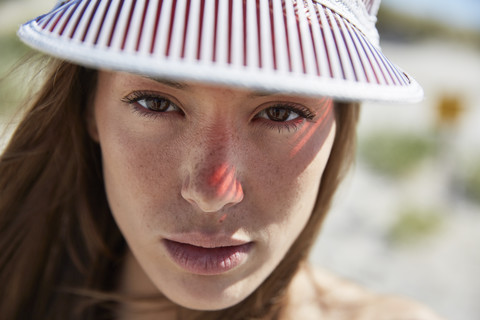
point(207, 259)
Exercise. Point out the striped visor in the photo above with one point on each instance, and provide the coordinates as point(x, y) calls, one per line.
point(307, 47)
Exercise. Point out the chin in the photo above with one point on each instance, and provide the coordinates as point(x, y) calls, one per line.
point(208, 303)
point(210, 296)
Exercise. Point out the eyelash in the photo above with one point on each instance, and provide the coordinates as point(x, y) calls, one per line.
point(303, 112)
point(136, 96)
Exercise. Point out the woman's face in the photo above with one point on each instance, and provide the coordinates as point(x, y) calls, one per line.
point(209, 185)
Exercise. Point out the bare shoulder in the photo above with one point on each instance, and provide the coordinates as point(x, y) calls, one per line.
point(318, 294)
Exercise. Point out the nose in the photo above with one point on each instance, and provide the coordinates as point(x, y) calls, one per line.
point(212, 185)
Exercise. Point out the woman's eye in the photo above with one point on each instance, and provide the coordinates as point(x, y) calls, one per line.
point(157, 104)
point(284, 113)
point(280, 114)
point(285, 116)
point(151, 104)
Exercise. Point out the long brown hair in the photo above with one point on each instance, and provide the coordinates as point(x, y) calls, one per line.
point(57, 236)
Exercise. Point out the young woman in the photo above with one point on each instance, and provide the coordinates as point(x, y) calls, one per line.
point(180, 157)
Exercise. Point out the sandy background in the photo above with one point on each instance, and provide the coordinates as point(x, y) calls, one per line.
point(442, 268)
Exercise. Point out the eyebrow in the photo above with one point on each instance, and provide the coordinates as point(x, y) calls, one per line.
point(183, 86)
point(170, 83)
point(256, 94)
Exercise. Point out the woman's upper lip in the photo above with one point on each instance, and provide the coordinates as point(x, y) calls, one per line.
point(205, 240)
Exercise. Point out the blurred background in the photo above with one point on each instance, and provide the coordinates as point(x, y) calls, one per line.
point(407, 218)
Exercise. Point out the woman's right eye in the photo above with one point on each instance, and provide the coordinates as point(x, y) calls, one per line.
point(148, 103)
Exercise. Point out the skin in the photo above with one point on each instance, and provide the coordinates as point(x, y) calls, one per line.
point(214, 165)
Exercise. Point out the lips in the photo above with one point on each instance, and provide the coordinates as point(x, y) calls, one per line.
point(207, 259)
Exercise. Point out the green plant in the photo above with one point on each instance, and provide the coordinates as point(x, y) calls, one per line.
point(395, 154)
point(415, 224)
point(472, 183)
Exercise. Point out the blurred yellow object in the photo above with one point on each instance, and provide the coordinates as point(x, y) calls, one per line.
point(449, 110)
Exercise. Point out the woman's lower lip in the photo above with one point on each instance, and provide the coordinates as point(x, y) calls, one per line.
point(207, 261)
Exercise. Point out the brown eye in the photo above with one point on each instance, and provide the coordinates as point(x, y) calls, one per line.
point(278, 113)
point(284, 116)
point(157, 104)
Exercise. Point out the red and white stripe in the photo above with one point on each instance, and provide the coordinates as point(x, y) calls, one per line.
point(235, 41)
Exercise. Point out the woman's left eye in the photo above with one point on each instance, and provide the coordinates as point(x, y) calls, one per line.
point(284, 113)
point(278, 114)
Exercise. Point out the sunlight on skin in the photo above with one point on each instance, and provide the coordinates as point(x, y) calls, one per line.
point(223, 183)
point(220, 176)
point(224, 180)
point(304, 135)
point(222, 218)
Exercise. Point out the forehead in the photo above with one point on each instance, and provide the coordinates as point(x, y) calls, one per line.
point(130, 81)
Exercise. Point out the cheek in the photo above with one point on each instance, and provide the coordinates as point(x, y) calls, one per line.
point(139, 167)
point(289, 181)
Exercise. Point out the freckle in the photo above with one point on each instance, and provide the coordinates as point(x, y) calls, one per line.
point(224, 216)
